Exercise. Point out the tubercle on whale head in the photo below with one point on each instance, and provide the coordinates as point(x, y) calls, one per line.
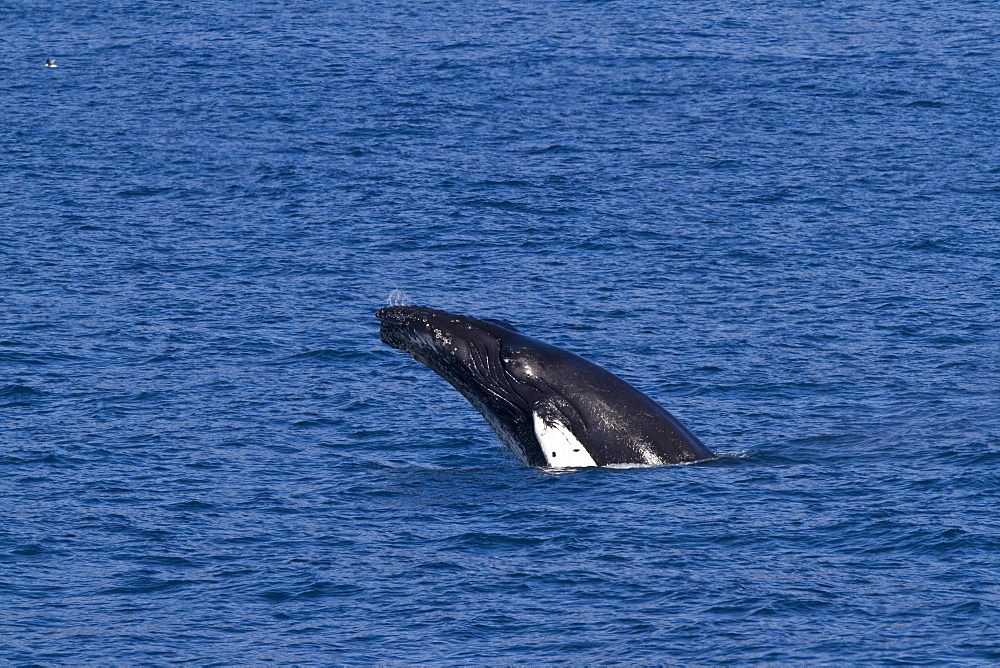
point(404, 314)
point(408, 317)
point(421, 331)
point(425, 317)
point(452, 345)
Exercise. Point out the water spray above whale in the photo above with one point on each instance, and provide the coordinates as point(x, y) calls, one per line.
point(552, 408)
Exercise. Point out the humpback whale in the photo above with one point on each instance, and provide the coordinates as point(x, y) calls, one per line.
point(552, 408)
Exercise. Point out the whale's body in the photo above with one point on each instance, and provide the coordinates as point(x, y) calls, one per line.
point(552, 408)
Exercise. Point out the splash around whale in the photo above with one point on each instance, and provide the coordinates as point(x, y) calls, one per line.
point(552, 408)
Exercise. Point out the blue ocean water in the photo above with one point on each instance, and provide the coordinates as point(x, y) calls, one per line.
point(778, 219)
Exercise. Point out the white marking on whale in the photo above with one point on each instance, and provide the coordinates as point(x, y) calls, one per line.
point(561, 448)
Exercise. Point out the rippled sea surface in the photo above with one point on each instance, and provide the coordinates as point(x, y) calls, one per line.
point(778, 219)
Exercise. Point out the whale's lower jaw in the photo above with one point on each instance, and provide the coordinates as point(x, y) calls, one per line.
point(521, 445)
point(508, 438)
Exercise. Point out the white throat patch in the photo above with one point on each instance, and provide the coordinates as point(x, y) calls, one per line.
point(562, 449)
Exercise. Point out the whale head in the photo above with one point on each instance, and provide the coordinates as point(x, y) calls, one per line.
point(481, 359)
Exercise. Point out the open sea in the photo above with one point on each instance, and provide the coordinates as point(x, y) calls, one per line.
point(781, 220)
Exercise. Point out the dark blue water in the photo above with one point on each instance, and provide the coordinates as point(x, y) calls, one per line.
point(778, 219)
